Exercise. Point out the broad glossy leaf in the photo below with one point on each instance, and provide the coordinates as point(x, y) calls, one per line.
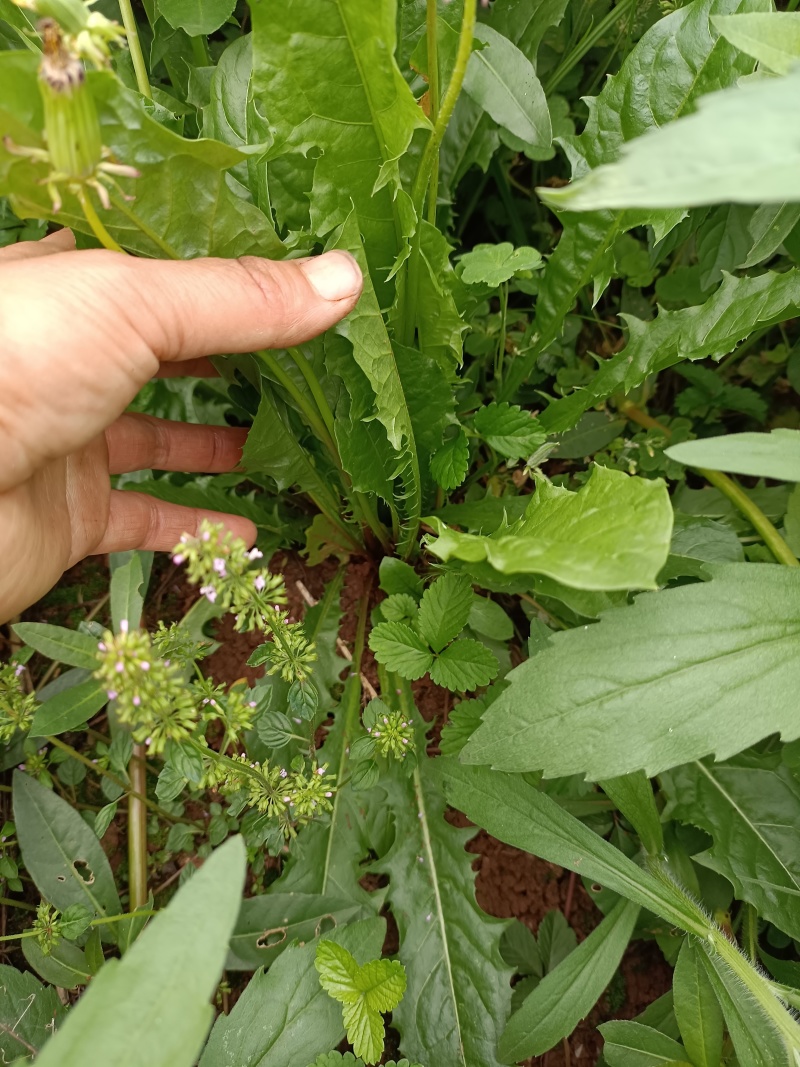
point(68, 710)
point(196, 16)
point(463, 666)
point(183, 205)
point(737, 308)
point(631, 1044)
point(697, 1008)
point(708, 668)
point(29, 1014)
point(61, 852)
point(400, 649)
point(59, 644)
point(325, 77)
point(678, 60)
point(612, 534)
point(167, 978)
point(458, 993)
point(763, 455)
point(699, 158)
point(284, 1016)
point(503, 82)
point(773, 39)
point(751, 807)
point(568, 993)
point(444, 609)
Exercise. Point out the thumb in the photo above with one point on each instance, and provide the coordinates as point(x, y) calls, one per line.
point(205, 307)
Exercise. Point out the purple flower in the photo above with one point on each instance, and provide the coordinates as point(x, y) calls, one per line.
point(178, 559)
point(137, 701)
point(144, 665)
point(219, 566)
point(260, 582)
point(206, 535)
point(18, 670)
point(112, 694)
point(120, 666)
point(123, 626)
point(209, 592)
point(254, 553)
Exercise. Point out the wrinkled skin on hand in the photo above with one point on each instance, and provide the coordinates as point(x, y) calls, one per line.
point(80, 333)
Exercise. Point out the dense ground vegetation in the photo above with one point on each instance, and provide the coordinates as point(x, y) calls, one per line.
point(541, 599)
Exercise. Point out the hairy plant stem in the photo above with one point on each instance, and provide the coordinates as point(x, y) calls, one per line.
point(137, 829)
point(350, 708)
point(408, 315)
point(135, 48)
point(431, 28)
point(728, 487)
point(117, 781)
point(99, 230)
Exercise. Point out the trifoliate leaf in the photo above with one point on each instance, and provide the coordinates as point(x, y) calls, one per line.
point(364, 991)
point(494, 264)
point(74, 921)
point(509, 430)
point(445, 609)
point(400, 607)
point(400, 649)
point(450, 464)
point(464, 665)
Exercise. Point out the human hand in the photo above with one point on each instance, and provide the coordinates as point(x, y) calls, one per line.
point(80, 333)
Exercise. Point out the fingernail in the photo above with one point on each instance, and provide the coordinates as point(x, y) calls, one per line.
point(334, 275)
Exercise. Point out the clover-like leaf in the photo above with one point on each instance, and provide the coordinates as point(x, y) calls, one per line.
point(495, 264)
point(445, 609)
point(509, 430)
point(464, 665)
point(400, 649)
point(365, 991)
point(450, 464)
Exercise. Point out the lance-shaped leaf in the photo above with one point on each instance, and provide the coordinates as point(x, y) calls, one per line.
point(632, 1044)
point(614, 533)
point(458, 993)
point(167, 977)
point(734, 310)
point(325, 77)
point(569, 992)
point(676, 61)
point(697, 1008)
point(708, 668)
point(773, 39)
point(183, 206)
point(699, 159)
point(750, 806)
point(502, 80)
point(763, 455)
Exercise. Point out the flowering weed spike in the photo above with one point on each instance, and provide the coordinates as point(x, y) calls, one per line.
point(16, 706)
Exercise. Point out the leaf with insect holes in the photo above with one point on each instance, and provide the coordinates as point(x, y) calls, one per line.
point(445, 609)
point(494, 264)
point(400, 649)
point(450, 464)
point(509, 430)
point(364, 991)
point(464, 665)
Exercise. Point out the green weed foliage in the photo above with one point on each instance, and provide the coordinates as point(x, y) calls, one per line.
point(555, 450)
